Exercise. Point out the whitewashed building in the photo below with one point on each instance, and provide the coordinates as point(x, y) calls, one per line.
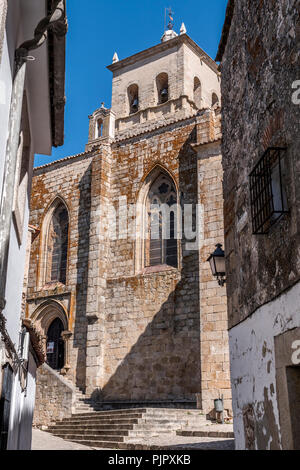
point(32, 99)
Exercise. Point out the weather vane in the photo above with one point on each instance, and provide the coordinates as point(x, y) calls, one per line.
point(170, 15)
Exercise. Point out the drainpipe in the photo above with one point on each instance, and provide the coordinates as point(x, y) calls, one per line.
point(14, 126)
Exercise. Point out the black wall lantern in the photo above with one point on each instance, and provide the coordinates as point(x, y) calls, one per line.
point(217, 264)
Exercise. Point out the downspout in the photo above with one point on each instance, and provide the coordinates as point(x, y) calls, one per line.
point(14, 126)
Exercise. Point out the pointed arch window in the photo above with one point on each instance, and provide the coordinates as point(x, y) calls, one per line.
point(99, 128)
point(197, 92)
point(133, 98)
point(57, 245)
point(161, 220)
point(214, 100)
point(162, 85)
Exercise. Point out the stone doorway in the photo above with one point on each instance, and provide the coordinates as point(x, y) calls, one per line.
point(55, 345)
point(288, 387)
point(293, 386)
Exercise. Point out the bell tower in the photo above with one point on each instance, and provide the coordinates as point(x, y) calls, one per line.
point(173, 78)
point(168, 82)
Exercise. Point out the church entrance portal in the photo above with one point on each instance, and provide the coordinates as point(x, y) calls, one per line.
point(55, 345)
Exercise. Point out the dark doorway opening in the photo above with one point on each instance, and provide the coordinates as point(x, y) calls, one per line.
point(55, 345)
point(293, 385)
point(5, 404)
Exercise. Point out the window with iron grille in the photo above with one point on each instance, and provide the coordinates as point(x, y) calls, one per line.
point(267, 192)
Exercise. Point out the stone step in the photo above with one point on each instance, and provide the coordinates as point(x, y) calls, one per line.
point(115, 445)
point(89, 432)
point(144, 423)
point(176, 405)
point(81, 417)
point(92, 413)
point(96, 443)
point(80, 437)
point(79, 412)
point(118, 412)
point(102, 427)
point(83, 410)
point(185, 412)
point(174, 423)
point(96, 415)
point(102, 421)
point(121, 428)
point(163, 420)
point(151, 432)
point(138, 429)
point(87, 408)
point(218, 434)
point(149, 414)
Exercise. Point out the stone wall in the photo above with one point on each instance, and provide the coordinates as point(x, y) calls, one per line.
point(215, 368)
point(260, 64)
point(55, 397)
point(72, 184)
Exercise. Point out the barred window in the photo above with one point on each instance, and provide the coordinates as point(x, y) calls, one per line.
point(267, 190)
point(161, 242)
point(57, 245)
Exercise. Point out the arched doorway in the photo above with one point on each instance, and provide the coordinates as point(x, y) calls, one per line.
point(55, 345)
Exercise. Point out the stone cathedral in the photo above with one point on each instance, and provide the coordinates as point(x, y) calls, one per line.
point(131, 320)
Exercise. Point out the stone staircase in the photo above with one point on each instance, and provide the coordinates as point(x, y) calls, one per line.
point(85, 404)
point(122, 429)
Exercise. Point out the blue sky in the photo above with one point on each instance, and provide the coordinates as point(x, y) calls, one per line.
point(98, 28)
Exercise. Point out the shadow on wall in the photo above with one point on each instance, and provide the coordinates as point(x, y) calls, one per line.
point(164, 363)
point(80, 327)
point(20, 434)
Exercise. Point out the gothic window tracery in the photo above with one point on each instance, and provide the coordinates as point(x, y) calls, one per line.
point(160, 240)
point(57, 245)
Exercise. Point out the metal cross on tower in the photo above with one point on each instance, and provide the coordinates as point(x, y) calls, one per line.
point(170, 13)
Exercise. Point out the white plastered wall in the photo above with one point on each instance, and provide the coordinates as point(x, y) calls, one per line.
point(252, 358)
